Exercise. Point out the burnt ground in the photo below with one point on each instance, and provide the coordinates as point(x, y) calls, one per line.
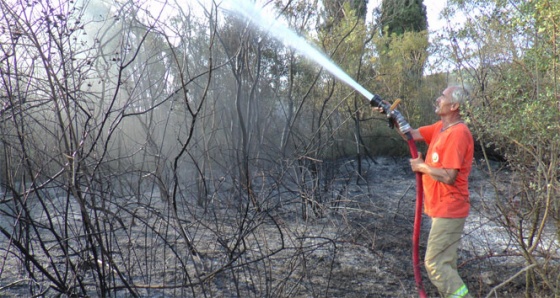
point(358, 245)
point(374, 249)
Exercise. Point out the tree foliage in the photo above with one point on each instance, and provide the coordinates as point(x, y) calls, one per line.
point(402, 49)
point(337, 10)
point(400, 16)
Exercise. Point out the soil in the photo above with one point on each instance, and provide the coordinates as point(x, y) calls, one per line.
point(358, 244)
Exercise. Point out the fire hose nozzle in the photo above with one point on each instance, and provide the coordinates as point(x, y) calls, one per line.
point(393, 115)
point(397, 117)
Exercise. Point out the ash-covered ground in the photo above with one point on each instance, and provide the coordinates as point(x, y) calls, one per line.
point(356, 245)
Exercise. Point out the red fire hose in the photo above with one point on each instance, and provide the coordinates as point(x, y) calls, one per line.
point(396, 118)
point(417, 220)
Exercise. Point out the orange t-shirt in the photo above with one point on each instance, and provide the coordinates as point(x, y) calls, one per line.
point(452, 148)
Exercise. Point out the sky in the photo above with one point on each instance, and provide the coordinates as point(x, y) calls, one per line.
point(434, 7)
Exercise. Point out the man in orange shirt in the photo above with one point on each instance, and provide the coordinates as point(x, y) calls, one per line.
point(445, 179)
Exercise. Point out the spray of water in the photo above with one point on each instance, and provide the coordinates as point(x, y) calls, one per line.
point(281, 32)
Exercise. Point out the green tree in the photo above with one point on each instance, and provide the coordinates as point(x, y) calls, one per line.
point(400, 16)
point(401, 63)
point(402, 46)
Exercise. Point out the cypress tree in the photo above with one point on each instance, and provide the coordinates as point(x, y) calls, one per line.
point(400, 16)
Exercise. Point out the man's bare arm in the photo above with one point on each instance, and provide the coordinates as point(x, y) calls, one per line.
point(446, 176)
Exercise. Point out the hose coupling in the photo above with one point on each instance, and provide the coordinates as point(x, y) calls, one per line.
point(393, 115)
point(397, 117)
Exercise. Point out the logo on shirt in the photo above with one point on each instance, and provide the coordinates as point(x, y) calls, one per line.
point(435, 157)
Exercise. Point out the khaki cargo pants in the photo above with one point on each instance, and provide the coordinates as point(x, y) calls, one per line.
point(441, 256)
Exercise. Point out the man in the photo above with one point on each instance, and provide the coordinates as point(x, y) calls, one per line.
point(446, 195)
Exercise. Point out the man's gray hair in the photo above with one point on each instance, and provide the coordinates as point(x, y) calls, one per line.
point(460, 95)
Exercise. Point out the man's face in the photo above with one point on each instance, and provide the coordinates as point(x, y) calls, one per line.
point(444, 103)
